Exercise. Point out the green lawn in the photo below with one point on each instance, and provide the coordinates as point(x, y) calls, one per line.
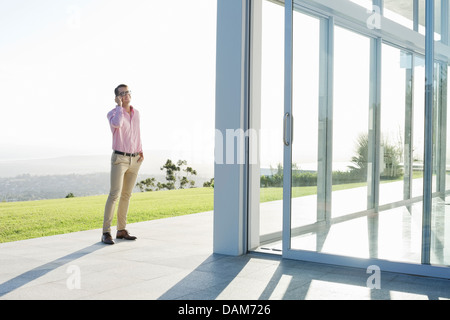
point(271, 194)
point(32, 219)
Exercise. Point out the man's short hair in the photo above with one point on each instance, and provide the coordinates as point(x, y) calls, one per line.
point(116, 90)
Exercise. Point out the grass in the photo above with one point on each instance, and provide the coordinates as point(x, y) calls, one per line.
point(271, 194)
point(32, 219)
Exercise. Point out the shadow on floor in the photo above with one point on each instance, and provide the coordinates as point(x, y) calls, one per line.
point(42, 270)
point(223, 277)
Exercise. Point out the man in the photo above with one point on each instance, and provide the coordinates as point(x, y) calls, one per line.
point(126, 160)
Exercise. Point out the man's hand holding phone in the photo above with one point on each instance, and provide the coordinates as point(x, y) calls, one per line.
point(119, 101)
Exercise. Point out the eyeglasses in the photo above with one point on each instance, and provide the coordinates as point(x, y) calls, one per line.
point(124, 93)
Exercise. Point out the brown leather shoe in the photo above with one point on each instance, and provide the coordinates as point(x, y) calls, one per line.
point(123, 234)
point(106, 238)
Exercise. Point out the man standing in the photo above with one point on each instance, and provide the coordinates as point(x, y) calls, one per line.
point(126, 160)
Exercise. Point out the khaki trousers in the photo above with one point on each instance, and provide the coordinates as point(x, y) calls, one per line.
point(124, 171)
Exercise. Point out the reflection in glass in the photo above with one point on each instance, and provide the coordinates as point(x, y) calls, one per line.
point(440, 217)
point(348, 236)
point(402, 12)
point(363, 3)
point(350, 122)
point(394, 165)
point(305, 112)
point(418, 126)
point(271, 148)
point(348, 228)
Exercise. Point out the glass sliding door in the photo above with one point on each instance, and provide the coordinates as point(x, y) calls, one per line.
point(339, 130)
point(350, 122)
point(305, 116)
point(346, 232)
point(418, 126)
point(271, 148)
point(305, 128)
point(398, 237)
point(395, 123)
point(364, 147)
point(440, 218)
point(327, 155)
point(440, 242)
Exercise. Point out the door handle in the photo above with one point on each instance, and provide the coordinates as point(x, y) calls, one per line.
point(285, 140)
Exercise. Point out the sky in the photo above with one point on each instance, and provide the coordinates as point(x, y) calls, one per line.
point(61, 60)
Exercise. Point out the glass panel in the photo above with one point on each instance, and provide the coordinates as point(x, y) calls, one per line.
point(350, 122)
point(350, 106)
point(399, 11)
point(437, 20)
point(271, 146)
point(440, 219)
point(430, 124)
point(422, 17)
point(437, 130)
point(305, 114)
point(418, 125)
point(397, 233)
point(447, 130)
point(441, 212)
point(363, 3)
point(395, 66)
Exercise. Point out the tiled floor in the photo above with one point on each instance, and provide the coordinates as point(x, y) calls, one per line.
point(173, 259)
point(394, 234)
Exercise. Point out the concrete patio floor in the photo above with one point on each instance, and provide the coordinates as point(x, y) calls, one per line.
point(173, 260)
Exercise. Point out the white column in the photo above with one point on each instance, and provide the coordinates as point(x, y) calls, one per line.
point(230, 177)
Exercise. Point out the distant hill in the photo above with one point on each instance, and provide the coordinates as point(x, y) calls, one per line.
point(39, 187)
point(86, 164)
point(32, 187)
point(35, 179)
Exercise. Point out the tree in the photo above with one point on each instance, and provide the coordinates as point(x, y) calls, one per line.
point(184, 181)
point(209, 183)
point(361, 159)
point(70, 195)
point(146, 185)
point(172, 170)
point(392, 156)
point(392, 161)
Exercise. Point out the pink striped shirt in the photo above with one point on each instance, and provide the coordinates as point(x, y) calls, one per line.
point(125, 129)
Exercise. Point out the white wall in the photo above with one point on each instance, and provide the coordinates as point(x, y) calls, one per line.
point(229, 181)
